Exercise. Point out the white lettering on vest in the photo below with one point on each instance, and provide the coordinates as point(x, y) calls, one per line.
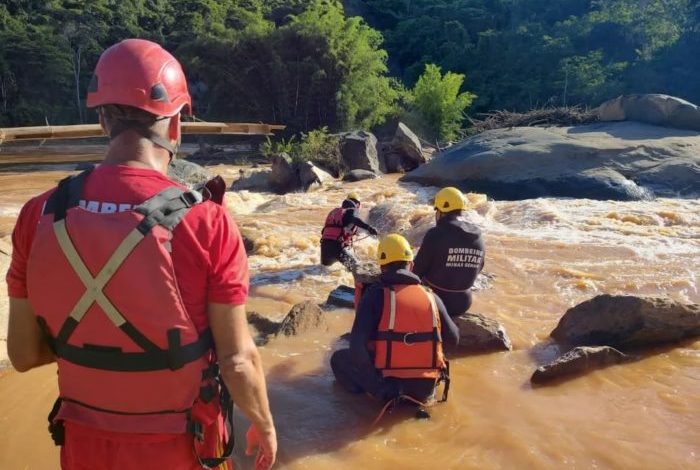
point(104, 207)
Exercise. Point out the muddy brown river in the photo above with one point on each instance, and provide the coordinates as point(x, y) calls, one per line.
point(544, 256)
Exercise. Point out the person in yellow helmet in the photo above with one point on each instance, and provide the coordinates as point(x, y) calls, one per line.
point(397, 336)
point(338, 233)
point(452, 253)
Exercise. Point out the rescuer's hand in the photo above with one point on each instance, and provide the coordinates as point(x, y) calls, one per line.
point(266, 443)
point(372, 231)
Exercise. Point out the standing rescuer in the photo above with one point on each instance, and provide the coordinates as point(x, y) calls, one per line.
point(397, 337)
point(452, 253)
point(136, 287)
point(338, 233)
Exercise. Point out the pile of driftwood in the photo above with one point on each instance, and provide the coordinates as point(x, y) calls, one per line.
point(564, 116)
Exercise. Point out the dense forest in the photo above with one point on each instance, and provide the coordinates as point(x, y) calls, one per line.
point(315, 63)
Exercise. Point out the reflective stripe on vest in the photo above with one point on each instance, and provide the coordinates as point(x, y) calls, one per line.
point(408, 343)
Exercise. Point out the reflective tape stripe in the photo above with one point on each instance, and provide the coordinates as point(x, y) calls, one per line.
point(392, 309)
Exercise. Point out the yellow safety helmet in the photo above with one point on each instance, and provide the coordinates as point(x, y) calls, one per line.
point(449, 199)
point(353, 197)
point(394, 248)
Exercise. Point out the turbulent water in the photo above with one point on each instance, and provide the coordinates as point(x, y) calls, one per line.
point(543, 256)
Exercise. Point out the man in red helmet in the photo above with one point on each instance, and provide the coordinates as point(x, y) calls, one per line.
point(136, 287)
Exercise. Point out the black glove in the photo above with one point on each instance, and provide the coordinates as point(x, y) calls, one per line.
point(372, 231)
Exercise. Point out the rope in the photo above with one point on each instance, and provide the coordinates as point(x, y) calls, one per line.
point(395, 401)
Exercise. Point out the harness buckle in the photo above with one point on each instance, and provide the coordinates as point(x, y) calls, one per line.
point(405, 337)
point(190, 198)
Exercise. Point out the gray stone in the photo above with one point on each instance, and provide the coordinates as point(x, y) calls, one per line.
point(257, 179)
point(627, 321)
point(263, 325)
point(407, 144)
point(312, 177)
point(618, 161)
point(359, 175)
point(359, 151)
point(579, 361)
point(284, 176)
point(657, 109)
point(187, 173)
point(478, 333)
point(342, 296)
point(303, 317)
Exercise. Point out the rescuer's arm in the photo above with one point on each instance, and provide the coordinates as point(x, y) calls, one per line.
point(363, 328)
point(26, 343)
point(351, 219)
point(421, 264)
point(242, 371)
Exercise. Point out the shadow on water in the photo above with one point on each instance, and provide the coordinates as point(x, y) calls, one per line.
point(315, 416)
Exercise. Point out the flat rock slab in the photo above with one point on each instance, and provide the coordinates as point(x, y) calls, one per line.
point(478, 333)
point(359, 175)
point(579, 361)
point(342, 296)
point(628, 321)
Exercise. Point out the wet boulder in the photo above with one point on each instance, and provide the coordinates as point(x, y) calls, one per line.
point(359, 175)
point(579, 361)
point(303, 317)
point(603, 161)
point(656, 109)
point(342, 296)
point(254, 179)
point(284, 176)
point(359, 151)
point(478, 333)
point(312, 177)
point(408, 146)
point(627, 321)
point(188, 173)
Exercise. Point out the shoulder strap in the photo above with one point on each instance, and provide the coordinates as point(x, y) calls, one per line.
point(66, 196)
point(167, 208)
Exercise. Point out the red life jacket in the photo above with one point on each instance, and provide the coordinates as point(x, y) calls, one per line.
point(333, 228)
point(408, 342)
point(104, 290)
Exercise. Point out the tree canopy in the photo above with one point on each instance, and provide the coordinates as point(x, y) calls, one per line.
point(315, 63)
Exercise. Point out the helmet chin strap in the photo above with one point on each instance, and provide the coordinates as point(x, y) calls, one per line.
point(145, 132)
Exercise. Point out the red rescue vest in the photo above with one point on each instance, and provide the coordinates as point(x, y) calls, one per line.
point(104, 289)
point(333, 228)
point(408, 342)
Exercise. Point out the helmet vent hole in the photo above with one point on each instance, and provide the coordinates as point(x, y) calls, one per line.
point(158, 93)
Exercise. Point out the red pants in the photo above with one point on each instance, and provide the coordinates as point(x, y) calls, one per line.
point(90, 449)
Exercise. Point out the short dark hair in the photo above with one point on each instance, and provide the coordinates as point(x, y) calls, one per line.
point(349, 204)
point(114, 114)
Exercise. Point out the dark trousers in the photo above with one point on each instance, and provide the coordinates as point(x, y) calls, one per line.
point(456, 303)
point(333, 251)
point(354, 380)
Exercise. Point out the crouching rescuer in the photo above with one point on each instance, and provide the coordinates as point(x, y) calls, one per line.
point(136, 287)
point(396, 342)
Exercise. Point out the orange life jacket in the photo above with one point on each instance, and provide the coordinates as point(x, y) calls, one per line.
point(333, 228)
point(408, 342)
point(104, 290)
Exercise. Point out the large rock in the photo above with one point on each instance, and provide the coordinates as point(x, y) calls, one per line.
point(284, 176)
point(303, 317)
point(342, 296)
point(255, 179)
point(660, 110)
point(187, 173)
point(312, 177)
point(627, 321)
point(407, 144)
point(619, 161)
point(359, 175)
point(359, 151)
point(578, 361)
point(478, 333)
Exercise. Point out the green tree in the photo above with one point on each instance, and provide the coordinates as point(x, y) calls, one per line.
point(437, 103)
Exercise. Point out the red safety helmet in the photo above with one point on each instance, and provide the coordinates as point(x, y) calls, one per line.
point(140, 73)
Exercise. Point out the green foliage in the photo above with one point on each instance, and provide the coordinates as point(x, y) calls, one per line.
point(318, 146)
point(271, 147)
point(437, 103)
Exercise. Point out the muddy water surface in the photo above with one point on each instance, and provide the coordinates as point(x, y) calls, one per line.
point(544, 256)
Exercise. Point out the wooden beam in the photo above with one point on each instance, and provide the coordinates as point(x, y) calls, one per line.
point(94, 130)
